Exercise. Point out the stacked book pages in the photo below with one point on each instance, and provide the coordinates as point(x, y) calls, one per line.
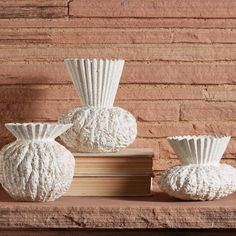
point(124, 173)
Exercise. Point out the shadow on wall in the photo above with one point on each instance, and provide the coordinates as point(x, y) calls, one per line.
point(24, 103)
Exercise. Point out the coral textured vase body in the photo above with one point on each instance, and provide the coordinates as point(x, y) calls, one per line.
point(35, 167)
point(201, 175)
point(97, 125)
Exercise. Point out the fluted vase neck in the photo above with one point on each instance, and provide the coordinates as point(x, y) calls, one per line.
point(95, 80)
point(199, 150)
point(37, 131)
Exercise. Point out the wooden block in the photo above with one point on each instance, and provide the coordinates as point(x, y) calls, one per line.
point(127, 162)
point(130, 152)
point(110, 186)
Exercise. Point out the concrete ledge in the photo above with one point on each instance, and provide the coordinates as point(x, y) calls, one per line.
point(156, 212)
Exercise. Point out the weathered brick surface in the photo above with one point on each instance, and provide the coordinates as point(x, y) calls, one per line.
point(179, 76)
point(152, 111)
point(51, 110)
point(147, 143)
point(33, 9)
point(164, 129)
point(221, 93)
point(163, 163)
point(134, 72)
point(132, 52)
point(161, 92)
point(115, 36)
point(132, 92)
point(216, 127)
point(126, 22)
point(204, 36)
point(33, 3)
point(208, 111)
point(153, 8)
point(80, 36)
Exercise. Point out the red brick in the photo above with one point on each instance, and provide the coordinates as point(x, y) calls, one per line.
point(115, 36)
point(84, 36)
point(14, 93)
point(119, 23)
point(135, 52)
point(221, 93)
point(4, 141)
point(205, 111)
point(33, 111)
point(147, 143)
point(186, 73)
point(152, 111)
point(33, 9)
point(230, 162)
point(25, 93)
point(163, 164)
point(34, 74)
point(158, 73)
point(50, 110)
point(204, 36)
point(153, 8)
point(160, 92)
point(33, 3)
point(125, 92)
point(166, 151)
point(231, 150)
point(164, 129)
point(216, 128)
point(4, 133)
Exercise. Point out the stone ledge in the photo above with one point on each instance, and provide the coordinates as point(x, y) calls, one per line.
point(156, 212)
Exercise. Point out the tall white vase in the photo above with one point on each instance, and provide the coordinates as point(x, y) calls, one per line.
point(97, 125)
point(35, 167)
point(201, 176)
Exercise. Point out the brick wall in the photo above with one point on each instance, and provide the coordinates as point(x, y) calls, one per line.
point(179, 76)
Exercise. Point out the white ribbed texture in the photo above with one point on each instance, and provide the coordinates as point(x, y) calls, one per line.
point(96, 81)
point(37, 131)
point(35, 167)
point(201, 176)
point(97, 126)
point(199, 149)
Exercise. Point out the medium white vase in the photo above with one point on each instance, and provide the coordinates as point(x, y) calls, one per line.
point(97, 125)
point(35, 167)
point(201, 176)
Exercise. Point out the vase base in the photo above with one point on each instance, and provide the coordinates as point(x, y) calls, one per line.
point(98, 130)
point(199, 182)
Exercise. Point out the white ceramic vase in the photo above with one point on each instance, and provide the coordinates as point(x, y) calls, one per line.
point(97, 125)
point(35, 167)
point(201, 176)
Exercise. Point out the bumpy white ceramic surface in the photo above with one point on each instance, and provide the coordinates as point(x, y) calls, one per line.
point(99, 129)
point(97, 125)
point(201, 176)
point(199, 182)
point(35, 167)
point(96, 81)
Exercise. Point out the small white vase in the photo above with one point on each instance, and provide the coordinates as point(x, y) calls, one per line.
point(97, 125)
point(35, 167)
point(201, 176)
